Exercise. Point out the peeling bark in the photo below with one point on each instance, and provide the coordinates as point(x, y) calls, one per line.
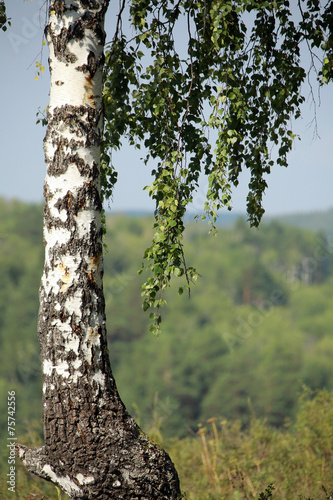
point(93, 448)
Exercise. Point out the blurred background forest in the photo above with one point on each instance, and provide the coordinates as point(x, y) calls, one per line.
point(256, 330)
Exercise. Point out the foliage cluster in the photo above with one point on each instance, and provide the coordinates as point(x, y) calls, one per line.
point(215, 100)
point(4, 20)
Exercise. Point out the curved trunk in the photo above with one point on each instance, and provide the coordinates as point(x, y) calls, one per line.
point(93, 448)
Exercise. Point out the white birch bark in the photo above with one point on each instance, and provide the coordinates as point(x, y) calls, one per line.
point(93, 448)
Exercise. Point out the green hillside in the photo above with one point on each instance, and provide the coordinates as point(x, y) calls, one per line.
point(258, 327)
point(315, 221)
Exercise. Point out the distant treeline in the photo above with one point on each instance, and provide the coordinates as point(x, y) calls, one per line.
point(256, 328)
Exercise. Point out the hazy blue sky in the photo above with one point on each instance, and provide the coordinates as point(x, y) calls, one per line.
point(305, 186)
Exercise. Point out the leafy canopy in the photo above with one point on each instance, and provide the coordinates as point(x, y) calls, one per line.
point(207, 86)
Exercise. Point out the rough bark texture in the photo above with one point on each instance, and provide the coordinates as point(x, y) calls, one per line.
point(93, 448)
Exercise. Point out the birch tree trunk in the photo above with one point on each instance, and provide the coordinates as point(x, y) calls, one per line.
point(93, 448)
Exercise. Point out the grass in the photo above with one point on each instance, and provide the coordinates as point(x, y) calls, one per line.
point(226, 462)
point(223, 461)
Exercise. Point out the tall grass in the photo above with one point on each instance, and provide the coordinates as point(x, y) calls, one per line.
point(223, 461)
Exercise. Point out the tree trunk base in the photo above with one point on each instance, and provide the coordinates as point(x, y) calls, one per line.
point(129, 468)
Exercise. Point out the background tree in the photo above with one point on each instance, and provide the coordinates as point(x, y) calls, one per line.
point(251, 83)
